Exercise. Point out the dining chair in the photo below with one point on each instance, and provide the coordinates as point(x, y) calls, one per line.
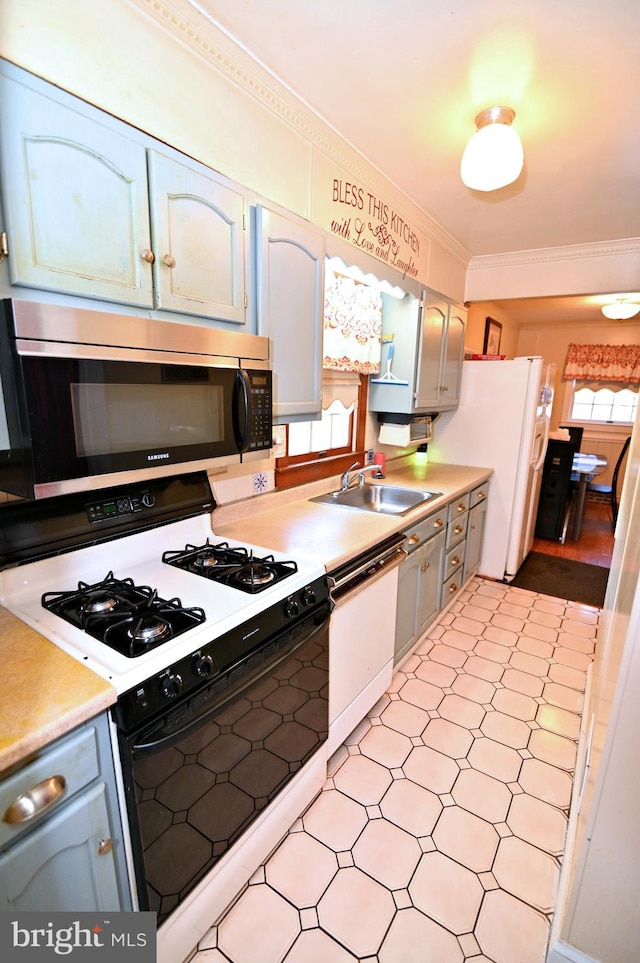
point(614, 481)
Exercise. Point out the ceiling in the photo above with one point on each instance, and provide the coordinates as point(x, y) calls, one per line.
point(402, 80)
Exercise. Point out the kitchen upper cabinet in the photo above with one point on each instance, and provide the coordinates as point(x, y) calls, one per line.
point(426, 341)
point(440, 355)
point(198, 228)
point(75, 201)
point(289, 264)
point(452, 357)
point(93, 209)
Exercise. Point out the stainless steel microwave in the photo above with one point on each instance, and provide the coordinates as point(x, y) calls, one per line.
point(88, 395)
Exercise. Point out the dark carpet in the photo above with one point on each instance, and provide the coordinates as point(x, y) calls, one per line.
point(563, 578)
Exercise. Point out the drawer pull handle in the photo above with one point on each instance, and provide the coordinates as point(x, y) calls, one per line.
point(438, 523)
point(452, 588)
point(105, 846)
point(413, 539)
point(169, 261)
point(462, 507)
point(454, 561)
point(148, 256)
point(36, 800)
point(458, 529)
point(480, 495)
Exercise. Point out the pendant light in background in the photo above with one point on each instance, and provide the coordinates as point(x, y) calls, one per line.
point(621, 309)
point(493, 157)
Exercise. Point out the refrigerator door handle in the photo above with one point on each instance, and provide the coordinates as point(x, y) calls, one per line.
point(537, 465)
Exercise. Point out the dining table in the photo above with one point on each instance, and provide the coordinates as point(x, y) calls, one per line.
point(584, 469)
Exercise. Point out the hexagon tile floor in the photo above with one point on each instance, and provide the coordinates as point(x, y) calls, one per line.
point(438, 837)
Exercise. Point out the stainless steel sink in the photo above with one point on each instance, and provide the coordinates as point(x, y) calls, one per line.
point(384, 499)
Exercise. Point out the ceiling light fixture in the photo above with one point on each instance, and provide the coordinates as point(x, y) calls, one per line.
point(493, 157)
point(620, 309)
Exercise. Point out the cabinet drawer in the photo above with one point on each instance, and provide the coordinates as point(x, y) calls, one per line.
point(479, 494)
point(457, 529)
point(450, 588)
point(453, 561)
point(74, 759)
point(458, 506)
point(426, 529)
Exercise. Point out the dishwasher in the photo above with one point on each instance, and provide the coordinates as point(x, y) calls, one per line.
point(361, 635)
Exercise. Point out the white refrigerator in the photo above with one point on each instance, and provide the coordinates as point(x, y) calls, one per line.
point(502, 422)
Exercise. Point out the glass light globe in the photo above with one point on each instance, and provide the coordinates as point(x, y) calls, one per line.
point(492, 159)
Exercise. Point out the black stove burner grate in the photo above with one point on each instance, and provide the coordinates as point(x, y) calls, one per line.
point(235, 567)
point(132, 619)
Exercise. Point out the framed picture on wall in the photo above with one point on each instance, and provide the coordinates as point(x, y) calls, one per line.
point(492, 336)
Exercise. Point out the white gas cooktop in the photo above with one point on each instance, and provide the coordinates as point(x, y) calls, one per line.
point(139, 557)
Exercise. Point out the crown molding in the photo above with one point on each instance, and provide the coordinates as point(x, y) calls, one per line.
point(191, 26)
point(570, 252)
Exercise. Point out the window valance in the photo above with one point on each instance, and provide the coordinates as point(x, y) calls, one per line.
point(352, 325)
point(603, 362)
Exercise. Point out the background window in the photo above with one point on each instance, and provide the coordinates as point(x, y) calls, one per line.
point(611, 404)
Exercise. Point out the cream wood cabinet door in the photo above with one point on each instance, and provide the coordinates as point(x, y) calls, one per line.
point(452, 356)
point(198, 225)
point(428, 341)
point(60, 866)
point(475, 531)
point(290, 306)
point(67, 852)
point(440, 355)
point(418, 593)
point(428, 389)
point(74, 194)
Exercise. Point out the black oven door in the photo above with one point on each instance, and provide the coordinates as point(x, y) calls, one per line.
point(196, 778)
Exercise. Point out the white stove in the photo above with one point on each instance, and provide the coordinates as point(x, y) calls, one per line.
point(218, 712)
point(139, 557)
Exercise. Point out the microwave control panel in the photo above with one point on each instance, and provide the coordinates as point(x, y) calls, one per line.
point(261, 410)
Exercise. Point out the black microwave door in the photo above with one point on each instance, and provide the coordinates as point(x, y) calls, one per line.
point(90, 417)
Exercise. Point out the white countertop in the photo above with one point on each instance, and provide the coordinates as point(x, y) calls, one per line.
point(288, 522)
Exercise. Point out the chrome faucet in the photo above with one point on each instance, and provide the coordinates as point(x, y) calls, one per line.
point(347, 480)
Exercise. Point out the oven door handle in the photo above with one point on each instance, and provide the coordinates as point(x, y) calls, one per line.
point(167, 741)
point(242, 410)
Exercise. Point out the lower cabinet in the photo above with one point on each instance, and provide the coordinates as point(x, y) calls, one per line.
point(419, 581)
point(456, 546)
point(475, 530)
point(61, 841)
point(444, 551)
point(418, 593)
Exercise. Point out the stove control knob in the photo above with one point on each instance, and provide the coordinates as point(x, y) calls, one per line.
point(308, 596)
point(171, 685)
point(204, 665)
point(291, 609)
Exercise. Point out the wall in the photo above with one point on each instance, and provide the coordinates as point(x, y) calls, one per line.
point(476, 319)
point(602, 916)
point(188, 84)
point(578, 269)
point(552, 342)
